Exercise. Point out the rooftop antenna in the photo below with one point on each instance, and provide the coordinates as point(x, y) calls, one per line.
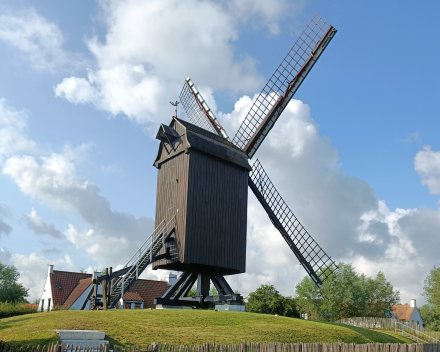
point(175, 104)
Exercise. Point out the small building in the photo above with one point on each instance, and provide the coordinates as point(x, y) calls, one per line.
point(72, 291)
point(407, 313)
point(58, 287)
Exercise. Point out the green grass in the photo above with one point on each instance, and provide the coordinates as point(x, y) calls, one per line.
point(142, 327)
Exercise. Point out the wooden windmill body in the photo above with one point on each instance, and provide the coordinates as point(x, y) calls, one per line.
point(203, 182)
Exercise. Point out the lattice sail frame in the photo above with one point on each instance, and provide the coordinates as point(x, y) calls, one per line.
point(311, 256)
point(280, 88)
point(284, 82)
point(198, 110)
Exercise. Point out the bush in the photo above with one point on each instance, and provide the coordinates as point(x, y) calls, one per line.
point(267, 300)
point(12, 309)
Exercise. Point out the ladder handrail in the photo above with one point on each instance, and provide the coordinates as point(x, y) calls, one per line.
point(142, 257)
point(149, 240)
point(415, 336)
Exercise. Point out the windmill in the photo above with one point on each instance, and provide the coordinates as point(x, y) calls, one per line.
point(202, 191)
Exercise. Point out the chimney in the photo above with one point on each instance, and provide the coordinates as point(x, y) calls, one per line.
point(96, 274)
point(412, 303)
point(50, 269)
point(171, 279)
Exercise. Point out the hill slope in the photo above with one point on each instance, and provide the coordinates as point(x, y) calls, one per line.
point(142, 327)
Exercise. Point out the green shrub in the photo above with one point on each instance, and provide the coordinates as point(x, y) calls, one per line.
point(12, 309)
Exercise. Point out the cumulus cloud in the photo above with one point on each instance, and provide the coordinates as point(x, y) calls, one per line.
point(33, 269)
point(39, 40)
point(13, 130)
point(5, 228)
point(341, 212)
point(53, 179)
point(76, 90)
point(36, 224)
point(264, 13)
point(427, 164)
point(137, 77)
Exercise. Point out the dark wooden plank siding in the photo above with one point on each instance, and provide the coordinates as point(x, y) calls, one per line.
point(172, 190)
point(211, 197)
point(217, 213)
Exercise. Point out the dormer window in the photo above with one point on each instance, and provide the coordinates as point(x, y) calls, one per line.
point(166, 134)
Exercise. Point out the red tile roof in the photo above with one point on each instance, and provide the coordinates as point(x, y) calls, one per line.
point(149, 290)
point(403, 311)
point(63, 283)
point(132, 296)
point(83, 285)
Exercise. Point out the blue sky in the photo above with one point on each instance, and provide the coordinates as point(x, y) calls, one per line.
point(86, 84)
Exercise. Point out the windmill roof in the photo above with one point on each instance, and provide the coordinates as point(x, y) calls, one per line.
point(77, 292)
point(213, 144)
point(403, 311)
point(199, 130)
point(63, 283)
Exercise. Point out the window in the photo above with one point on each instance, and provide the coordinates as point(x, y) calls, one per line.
point(137, 306)
point(127, 305)
point(48, 304)
point(42, 305)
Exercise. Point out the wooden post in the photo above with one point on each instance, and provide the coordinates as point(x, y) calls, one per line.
point(104, 290)
point(109, 292)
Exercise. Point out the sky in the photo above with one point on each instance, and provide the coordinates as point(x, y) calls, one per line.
point(84, 86)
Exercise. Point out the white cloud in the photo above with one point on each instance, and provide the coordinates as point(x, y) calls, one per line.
point(36, 224)
point(5, 228)
point(413, 137)
point(13, 129)
point(33, 269)
point(137, 77)
point(53, 179)
point(39, 40)
point(76, 90)
point(264, 13)
point(341, 212)
point(427, 164)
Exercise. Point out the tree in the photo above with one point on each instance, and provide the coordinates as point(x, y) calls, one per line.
point(267, 300)
point(431, 289)
point(431, 319)
point(346, 294)
point(10, 290)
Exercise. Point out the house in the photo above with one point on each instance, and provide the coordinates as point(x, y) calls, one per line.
point(72, 291)
point(407, 313)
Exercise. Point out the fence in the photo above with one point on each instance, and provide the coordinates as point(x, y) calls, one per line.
point(413, 334)
point(243, 347)
point(377, 323)
point(387, 324)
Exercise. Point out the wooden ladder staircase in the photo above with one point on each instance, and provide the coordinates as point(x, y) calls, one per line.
point(143, 257)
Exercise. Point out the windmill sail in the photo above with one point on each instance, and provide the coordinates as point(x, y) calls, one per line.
point(311, 256)
point(283, 84)
point(198, 110)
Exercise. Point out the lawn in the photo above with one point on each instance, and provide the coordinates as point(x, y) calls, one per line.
point(142, 327)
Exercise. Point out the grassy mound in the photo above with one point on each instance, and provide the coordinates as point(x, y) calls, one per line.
point(142, 327)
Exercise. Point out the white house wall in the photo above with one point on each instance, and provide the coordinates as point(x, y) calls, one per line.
point(45, 296)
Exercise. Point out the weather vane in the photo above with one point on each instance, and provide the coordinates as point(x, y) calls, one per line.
point(175, 104)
